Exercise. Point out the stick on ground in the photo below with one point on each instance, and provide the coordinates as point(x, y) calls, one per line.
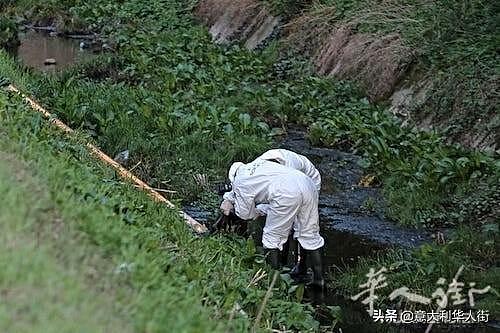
point(124, 173)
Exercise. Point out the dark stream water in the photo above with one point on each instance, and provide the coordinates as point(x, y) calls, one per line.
point(354, 226)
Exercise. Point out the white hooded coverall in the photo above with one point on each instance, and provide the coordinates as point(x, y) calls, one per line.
point(292, 160)
point(291, 195)
point(295, 161)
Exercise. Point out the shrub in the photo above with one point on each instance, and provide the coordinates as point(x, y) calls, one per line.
point(8, 32)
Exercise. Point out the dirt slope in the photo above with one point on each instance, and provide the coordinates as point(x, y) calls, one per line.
point(380, 63)
point(245, 20)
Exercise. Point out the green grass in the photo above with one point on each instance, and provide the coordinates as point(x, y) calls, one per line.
point(8, 32)
point(160, 276)
point(420, 269)
point(455, 47)
point(184, 106)
point(51, 278)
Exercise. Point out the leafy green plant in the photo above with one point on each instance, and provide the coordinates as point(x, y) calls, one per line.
point(8, 32)
point(6, 3)
point(184, 106)
point(420, 268)
point(166, 278)
point(188, 93)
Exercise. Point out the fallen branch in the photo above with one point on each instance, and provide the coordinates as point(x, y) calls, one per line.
point(135, 166)
point(124, 173)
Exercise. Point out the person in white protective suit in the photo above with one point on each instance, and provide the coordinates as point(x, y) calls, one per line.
point(288, 198)
point(303, 164)
point(295, 161)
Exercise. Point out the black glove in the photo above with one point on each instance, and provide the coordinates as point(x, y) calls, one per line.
point(223, 188)
point(230, 223)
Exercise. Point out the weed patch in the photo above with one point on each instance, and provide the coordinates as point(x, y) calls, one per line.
point(420, 269)
point(185, 109)
point(8, 32)
point(166, 278)
point(452, 43)
point(184, 106)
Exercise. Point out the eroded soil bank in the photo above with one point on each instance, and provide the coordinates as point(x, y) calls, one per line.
point(381, 62)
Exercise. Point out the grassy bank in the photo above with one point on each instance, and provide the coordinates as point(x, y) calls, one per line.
point(454, 48)
point(114, 239)
point(8, 32)
point(183, 107)
point(51, 278)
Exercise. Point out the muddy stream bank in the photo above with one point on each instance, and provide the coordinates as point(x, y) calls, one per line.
point(353, 224)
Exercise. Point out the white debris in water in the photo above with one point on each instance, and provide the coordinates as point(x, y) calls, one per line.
point(49, 61)
point(122, 157)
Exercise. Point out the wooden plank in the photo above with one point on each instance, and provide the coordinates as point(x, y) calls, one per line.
point(124, 173)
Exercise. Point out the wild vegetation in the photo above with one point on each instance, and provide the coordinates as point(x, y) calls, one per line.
point(158, 274)
point(40, 282)
point(188, 93)
point(453, 47)
point(419, 270)
point(8, 32)
point(184, 106)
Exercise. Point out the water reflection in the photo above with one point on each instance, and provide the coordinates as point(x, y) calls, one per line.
point(37, 47)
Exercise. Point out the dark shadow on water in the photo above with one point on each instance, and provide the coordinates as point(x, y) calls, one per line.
point(344, 249)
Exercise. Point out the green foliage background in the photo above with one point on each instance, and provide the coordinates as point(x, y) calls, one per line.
point(185, 106)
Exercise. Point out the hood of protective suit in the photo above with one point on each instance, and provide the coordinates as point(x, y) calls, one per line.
point(233, 169)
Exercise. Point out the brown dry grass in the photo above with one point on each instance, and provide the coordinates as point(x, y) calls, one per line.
point(231, 17)
point(376, 61)
point(233, 20)
point(211, 10)
point(308, 31)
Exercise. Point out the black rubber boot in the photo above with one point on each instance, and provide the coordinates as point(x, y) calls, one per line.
point(289, 253)
point(285, 253)
point(315, 261)
point(299, 270)
point(317, 286)
point(273, 258)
